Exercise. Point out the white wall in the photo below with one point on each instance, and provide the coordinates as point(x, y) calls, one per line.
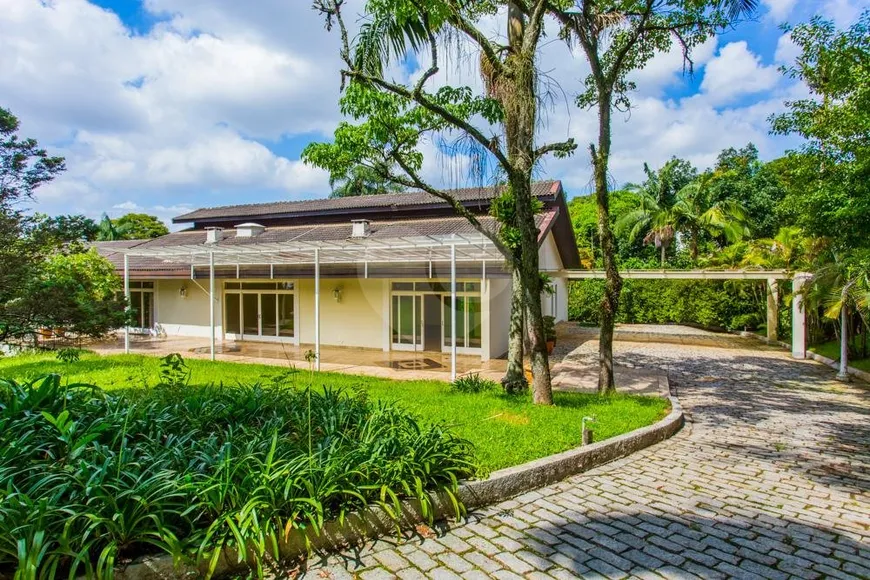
point(499, 296)
point(551, 262)
point(188, 316)
point(355, 321)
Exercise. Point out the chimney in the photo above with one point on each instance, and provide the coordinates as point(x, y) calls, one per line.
point(213, 235)
point(361, 228)
point(249, 230)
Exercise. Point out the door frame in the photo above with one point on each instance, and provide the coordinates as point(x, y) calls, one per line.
point(241, 336)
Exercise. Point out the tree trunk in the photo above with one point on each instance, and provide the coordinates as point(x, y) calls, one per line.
point(519, 100)
point(514, 380)
point(843, 375)
point(613, 282)
point(664, 249)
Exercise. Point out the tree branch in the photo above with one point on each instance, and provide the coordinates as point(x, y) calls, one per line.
point(563, 147)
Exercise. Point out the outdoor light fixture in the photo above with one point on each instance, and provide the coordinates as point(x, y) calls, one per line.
point(336, 293)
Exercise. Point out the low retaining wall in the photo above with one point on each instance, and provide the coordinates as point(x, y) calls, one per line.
point(375, 521)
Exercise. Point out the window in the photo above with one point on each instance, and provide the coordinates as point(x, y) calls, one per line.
point(142, 305)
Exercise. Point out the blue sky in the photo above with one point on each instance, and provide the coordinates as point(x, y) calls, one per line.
point(163, 105)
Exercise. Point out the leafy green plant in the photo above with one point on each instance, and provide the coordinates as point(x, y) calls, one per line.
point(93, 478)
point(550, 328)
point(174, 372)
point(473, 383)
point(69, 355)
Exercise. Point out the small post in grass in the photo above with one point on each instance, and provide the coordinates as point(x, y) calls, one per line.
point(587, 433)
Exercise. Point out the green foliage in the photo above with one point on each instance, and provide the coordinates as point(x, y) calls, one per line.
point(473, 384)
point(362, 180)
point(550, 328)
point(69, 355)
point(93, 478)
point(732, 304)
point(829, 177)
point(139, 226)
point(174, 372)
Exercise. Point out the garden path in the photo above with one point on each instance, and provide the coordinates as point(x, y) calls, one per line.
point(769, 479)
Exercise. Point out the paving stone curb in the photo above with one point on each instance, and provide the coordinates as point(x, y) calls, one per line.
point(374, 522)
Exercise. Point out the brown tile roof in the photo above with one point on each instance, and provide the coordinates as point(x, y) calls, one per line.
point(349, 204)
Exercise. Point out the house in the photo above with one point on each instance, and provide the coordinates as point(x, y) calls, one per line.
point(396, 271)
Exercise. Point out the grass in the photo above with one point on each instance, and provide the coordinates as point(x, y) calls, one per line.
point(505, 431)
point(832, 350)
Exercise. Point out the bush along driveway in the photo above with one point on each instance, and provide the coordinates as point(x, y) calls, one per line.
point(769, 479)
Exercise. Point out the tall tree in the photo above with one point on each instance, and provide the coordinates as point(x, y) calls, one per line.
point(618, 37)
point(829, 176)
point(397, 117)
point(140, 226)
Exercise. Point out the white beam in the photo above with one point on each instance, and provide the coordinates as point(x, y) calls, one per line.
point(317, 309)
point(679, 274)
point(127, 307)
point(453, 313)
point(211, 302)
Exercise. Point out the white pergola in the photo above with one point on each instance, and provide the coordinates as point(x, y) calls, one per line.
point(773, 277)
point(455, 249)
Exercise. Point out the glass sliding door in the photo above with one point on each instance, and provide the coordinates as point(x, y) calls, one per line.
point(469, 322)
point(260, 310)
point(407, 322)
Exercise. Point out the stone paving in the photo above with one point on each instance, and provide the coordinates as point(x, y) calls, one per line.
point(769, 479)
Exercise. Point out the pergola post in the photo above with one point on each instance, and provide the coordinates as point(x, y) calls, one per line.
point(127, 306)
point(772, 310)
point(798, 317)
point(452, 312)
point(211, 302)
point(317, 309)
point(843, 374)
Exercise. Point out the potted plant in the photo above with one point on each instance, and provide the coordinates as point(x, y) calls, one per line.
point(550, 333)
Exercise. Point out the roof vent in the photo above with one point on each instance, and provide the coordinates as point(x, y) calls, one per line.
point(361, 228)
point(249, 230)
point(213, 235)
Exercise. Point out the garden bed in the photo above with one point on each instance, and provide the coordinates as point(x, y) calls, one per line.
point(245, 454)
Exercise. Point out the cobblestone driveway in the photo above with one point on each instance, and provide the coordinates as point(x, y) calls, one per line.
point(770, 478)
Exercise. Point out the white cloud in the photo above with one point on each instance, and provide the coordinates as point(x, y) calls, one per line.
point(779, 10)
point(736, 71)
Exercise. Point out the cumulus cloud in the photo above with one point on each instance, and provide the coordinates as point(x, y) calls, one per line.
point(192, 110)
point(779, 10)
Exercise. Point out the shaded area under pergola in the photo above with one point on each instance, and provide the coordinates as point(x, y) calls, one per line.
point(453, 249)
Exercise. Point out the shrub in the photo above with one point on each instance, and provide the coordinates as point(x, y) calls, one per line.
point(69, 355)
point(724, 304)
point(92, 478)
point(473, 384)
point(550, 328)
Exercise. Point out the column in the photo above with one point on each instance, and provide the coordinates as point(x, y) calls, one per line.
point(317, 309)
point(127, 307)
point(798, 317)
point(843, 374)
point(453, 312)
point(772, 310)
point(211, 302)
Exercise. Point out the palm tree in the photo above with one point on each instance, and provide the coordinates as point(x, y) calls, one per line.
point(790, 249)
point(656, 219)
point(109, 231)
point(696, 214)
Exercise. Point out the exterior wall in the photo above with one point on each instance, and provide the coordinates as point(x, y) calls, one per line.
point(355, 321)
point(551, 262)
point(187, 316)
point(498, 294)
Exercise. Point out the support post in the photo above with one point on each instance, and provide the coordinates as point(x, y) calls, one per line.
point(798, 317)
point(127, 307)
point(843, 374)
point(211, 302)
point(453, 312)
point(317, 309)
point(772, 310)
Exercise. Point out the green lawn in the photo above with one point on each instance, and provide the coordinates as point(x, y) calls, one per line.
point(506, 431)
point(832, 350)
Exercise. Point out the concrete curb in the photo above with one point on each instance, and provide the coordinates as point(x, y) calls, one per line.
point(375, 521)
point(857, 373)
